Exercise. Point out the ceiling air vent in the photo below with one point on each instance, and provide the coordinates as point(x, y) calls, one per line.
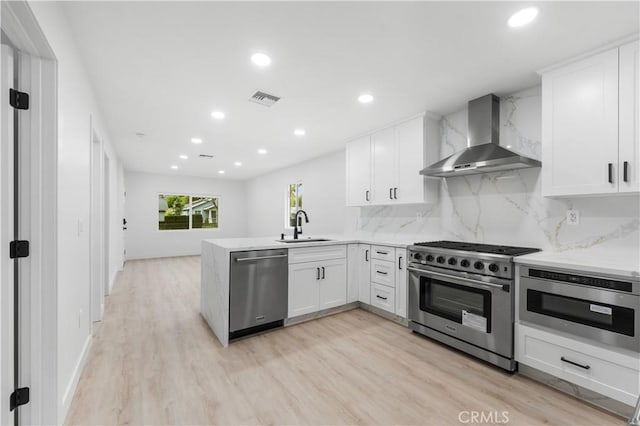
point(205, 156)
point(263, 98)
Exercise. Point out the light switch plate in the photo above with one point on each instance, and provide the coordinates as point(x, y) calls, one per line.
point(573, 217)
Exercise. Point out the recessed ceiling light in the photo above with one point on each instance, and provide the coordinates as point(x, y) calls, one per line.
point(365, 98)
point(237, 164)
point(523, 17)
point(218, 115)
point(174, 167)
point(262, 151)
point(299, 132)
point(221, 172)
point(260, 59)
point(196, 140)
point(184, 157)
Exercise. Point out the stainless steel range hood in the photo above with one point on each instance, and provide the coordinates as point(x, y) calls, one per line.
point(483, 154)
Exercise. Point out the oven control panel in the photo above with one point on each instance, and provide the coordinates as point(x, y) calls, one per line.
point(472, 262)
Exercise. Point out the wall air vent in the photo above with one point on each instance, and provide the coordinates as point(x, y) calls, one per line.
point(263, 98)
point(205, 156)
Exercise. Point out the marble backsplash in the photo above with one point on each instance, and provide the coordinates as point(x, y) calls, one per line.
point(505, 207)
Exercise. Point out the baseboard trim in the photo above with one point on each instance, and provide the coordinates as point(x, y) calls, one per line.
point(384, 314)
point(75, 378)
point(320, 314)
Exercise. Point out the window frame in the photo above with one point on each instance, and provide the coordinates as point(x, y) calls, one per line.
point(287, 200)
point(191, 196)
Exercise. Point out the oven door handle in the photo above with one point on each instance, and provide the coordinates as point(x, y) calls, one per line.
point(503, 287)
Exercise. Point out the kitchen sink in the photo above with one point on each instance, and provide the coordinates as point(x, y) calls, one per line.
point(308, 240)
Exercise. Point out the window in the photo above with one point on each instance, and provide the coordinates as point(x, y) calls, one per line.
point(294, 203)
point(177, 212)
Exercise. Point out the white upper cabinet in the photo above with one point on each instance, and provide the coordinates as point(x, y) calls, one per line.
point(629, 161)
point(590, 125)
point(359, 172)
point(395, 156)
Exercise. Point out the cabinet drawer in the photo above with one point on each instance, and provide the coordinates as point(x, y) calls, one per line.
point(383, 253)
point(383, 272)
point(383, 297)
point(317, 254)
point(610, 373)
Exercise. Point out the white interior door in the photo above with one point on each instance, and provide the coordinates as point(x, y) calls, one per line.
point(97, 274)
point(6, 236)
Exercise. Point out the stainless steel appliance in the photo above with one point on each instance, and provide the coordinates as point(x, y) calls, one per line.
point(602, 308)
point(484, 153)
point(462, 294)
point(258, 291)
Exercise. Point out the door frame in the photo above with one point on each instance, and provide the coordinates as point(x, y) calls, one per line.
point(97, 225)
point(37, 72)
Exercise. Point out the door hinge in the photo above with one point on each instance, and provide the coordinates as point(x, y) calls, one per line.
point(18, 100)
point(19, 397)
point(18, 249)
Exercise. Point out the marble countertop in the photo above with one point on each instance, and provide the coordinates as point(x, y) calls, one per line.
point(267, 243)
point(620, 263)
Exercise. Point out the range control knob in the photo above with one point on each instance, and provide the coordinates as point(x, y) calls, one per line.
point(452, 261)
point(417, 256)
point(440, 259)
point(430, 258)
point(464, 263)
point(493, 267)
point(478, 265)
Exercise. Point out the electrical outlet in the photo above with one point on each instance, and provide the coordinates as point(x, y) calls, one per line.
point(419, 217)
point(573, 217)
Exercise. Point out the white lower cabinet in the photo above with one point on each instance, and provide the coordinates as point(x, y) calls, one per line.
point(401, 282)
point(316, 285)
point(610, 373)
point(364, 273)
point(383, 272)
point(383, 297)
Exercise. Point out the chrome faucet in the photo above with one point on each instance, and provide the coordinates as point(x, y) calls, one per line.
point(297, 232)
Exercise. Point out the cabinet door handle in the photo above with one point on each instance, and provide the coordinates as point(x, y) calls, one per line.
point(610, 171)
point(318, 273)
point(381, 273)
point(391, 193)
point(400, 263)
point(625, 171)
point(382, 252)
point(395, 193)
point(586, 367)
point(366, 255)
point(366, 195)
point(323, 272)
point(380, 297)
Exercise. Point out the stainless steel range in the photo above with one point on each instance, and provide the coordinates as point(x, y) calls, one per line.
point(462, 294)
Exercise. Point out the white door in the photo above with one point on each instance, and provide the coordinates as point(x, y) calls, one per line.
point(333, 283)
point(383, 166)
point(409, 161)
point(580, 127)
point(358, 153)
point(6, 236)
point(304, 281)
point(364, 273)
point(628, 174)
point(401, 282)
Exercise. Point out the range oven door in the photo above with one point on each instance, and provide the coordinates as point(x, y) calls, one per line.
point(476, 312)
point(605, 316)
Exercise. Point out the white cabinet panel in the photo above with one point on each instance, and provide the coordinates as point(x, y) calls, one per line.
point(383, 297)
point(401, 282)
point(629, 118)
point(333, 283)
point(358, 177)
point(383, 272)
point(383, 165)
point(383, 253)
point(317, 254)
point(353, 266)
point(410, 159)
point(364, 273)
point(580, 127)
point(303, 288)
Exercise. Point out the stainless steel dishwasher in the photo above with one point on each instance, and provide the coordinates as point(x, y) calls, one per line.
point(258, 291)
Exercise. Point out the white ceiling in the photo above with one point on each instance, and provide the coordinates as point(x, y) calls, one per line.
point(162, 67)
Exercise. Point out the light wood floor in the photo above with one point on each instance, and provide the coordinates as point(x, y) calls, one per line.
point(154, 361)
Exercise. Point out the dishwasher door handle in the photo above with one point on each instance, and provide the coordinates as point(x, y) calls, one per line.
point(247, 259)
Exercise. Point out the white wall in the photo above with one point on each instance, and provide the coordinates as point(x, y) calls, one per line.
point(144, 240)
point(77, 109)
point(323, 179)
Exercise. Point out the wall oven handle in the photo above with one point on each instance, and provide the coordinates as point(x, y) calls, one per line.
point(247, 259)
point(503, 287)
point(568, 361)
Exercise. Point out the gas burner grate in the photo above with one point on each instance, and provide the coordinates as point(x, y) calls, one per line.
point(478, 247)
